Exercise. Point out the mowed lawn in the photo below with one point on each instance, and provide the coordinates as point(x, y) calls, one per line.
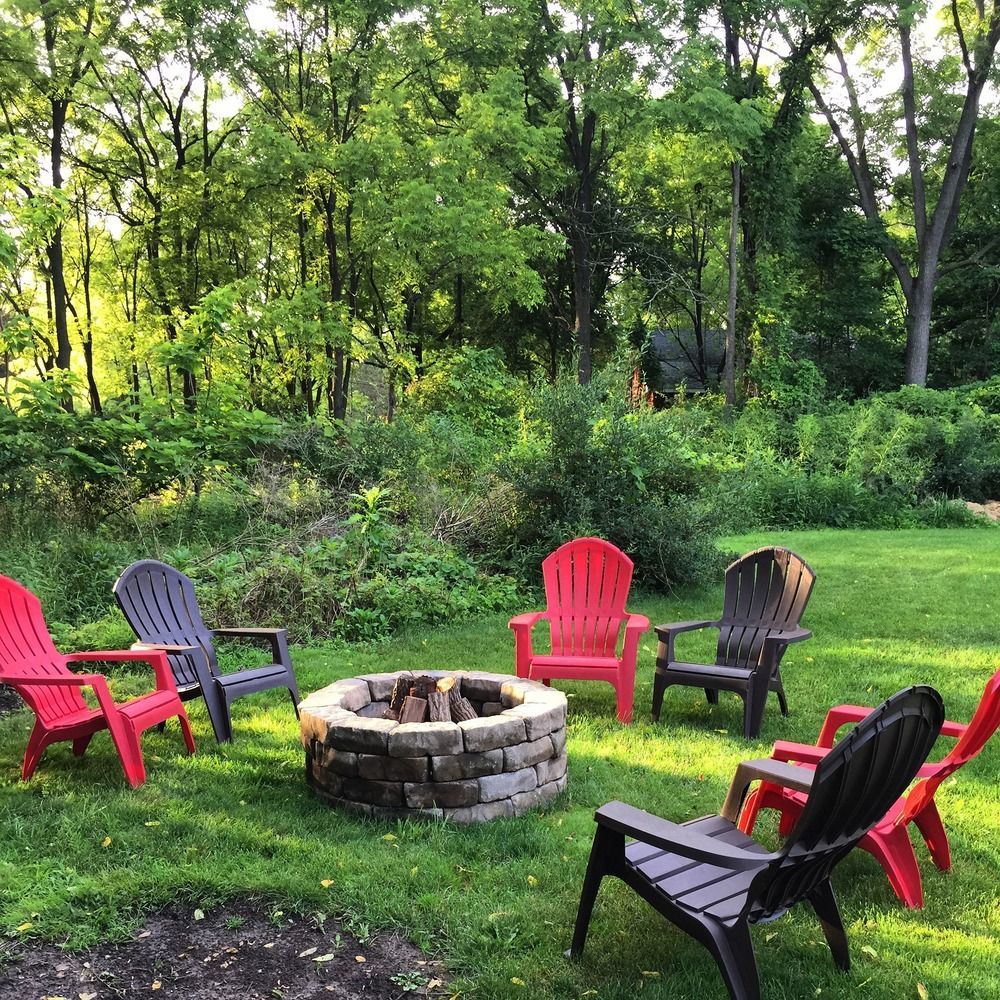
point(82, 857)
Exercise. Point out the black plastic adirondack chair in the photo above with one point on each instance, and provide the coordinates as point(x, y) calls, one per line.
point(713, 881)
point(160, 605)
point(766, 594)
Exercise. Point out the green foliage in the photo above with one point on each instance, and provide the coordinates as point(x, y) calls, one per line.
point(591, 464)
point(358, 579)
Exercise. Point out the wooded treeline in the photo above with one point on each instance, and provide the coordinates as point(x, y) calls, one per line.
point(210, 200)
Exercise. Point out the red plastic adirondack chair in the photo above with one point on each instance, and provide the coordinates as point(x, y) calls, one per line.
point(889, 840)
point(31, 664)
point(586, 586)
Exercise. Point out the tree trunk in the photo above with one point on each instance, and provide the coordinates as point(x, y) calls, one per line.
point(918, 327)
point(54, 251)
point(729, 368)
point(582, 300)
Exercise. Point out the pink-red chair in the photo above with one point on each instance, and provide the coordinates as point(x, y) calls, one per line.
point(587, 582)
point(889, 841)
point(32, 666)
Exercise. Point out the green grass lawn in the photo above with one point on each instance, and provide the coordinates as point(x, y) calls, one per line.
point(498, 902)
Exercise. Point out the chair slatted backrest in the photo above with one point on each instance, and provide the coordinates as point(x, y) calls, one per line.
point(27, 650)
point(766, 590)
point(587, 582)
point(159, 604)
point(983, 724)
point(854, 786)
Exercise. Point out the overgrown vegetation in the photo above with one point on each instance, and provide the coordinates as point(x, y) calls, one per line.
point(355, 530)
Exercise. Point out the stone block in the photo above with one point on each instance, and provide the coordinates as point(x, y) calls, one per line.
point(373, 710)
point(349, 694)
point(513, 692)
point(382, 768)
point(482, 813)
point(380, 685)
point(441, 794)
point(488, 734)
point(551, 770)
point(467, 765)
point(492, 708)
point(527, 754)
point(558, 738)
point(539, 720)
point(477, 686)
point(342, 762)
point(376, 793)
point(314, 722)
point(416, 739)
point(388, 813)
point(537, 797)
point(539, 694)
point(360, 735)
point(346, 805)
point(503, 786)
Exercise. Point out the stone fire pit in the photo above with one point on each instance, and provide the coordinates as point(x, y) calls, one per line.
point(510, 760)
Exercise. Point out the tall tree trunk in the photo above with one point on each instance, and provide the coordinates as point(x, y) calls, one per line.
point(582, 302)
point(918, 326)
point(54, 251)
point(729, 368)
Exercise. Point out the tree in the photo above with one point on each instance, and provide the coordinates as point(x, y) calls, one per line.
point(938, 149)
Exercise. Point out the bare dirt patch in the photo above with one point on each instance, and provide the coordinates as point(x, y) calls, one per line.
point(237, 952)
point(990, 509)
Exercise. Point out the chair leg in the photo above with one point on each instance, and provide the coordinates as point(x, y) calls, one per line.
point(660, 685)
point(712, 696)
point(748, 814)
point(932, 829)
point(37, 742)
point(824, 902)
point(129, 750)
point(625, 691)
point(732, 950)
point(606, 843)
point(295, 701)
point(186, 730)
point(218, 714)
point(162, 726)
point(780, 691)
point(80, 745)
point(892, 849)
point(754, 703)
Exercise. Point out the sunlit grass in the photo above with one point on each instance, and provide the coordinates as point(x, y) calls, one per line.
point(889, 609)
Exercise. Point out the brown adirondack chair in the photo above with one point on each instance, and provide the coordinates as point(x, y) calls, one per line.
point(766, 594)
point(32, 666)
point(713, 881)
point(160, 605)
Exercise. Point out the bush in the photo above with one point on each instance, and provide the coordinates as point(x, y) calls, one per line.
point(592, 465)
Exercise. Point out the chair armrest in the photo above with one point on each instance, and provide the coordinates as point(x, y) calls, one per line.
point(154, 657)
point(788, 635)
point(527, 620)
point(776, 771)
point(666, 632)
point(801, 753)
point(636, 623)
point(677, 837)
point(164, 647)
point(954, 730)
point(250, 633)
point(277, 637)
point(839, 715)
